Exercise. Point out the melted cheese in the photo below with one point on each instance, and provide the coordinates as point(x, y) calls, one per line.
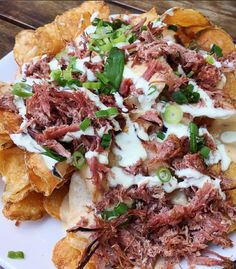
point(102, 157)
point(119, 101)
point(129, 148)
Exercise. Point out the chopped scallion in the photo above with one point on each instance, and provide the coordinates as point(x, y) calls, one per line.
point(78, 159)
point(52, 154)
point(92, 85)
point(119, 209)
point(152, 89)
point(217, 50)
point(210, 59)
point(22, 89)
point(190, 74)
point(173, 27)
point(173, 114)
point(194, 132)
point(161, 135)
point(163, 174)
point(112, 111)
point(16, 254)
point(106, 140)
point(205, 151)
point(85, 124)
point(179, 98)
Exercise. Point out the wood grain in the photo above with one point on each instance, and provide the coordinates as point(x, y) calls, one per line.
point(7, 34)
point(221, 13)
point(38, 13)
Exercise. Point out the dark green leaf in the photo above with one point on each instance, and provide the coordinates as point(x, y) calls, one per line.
point(52, 154)
point(114, 67)
point(173, 27)
point(217, 50)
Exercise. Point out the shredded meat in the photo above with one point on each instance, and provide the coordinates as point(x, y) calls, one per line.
point(40, 69)
point(166, 151)
point(125, 87)
point(157, 228)
point(7, 103)
point(208, 76)
point(194, 161)
point(152, 116)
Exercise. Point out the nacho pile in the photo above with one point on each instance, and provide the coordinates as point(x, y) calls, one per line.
point(123, 128)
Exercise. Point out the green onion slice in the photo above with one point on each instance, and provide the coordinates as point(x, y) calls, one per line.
point(52, 154)
point(179, 97)
point(194, 132)
point(78, 160)
point(16, 254)
point(161, 135)
point(22, 89)
point(106, 140)
point(173, 27)
point(163, 174)
point(152, 89)
point(190, 74)
point(210, 59)
point(85, 124)
point(205, 151)
point(119, 209)
point(112, 111)
point(92, 85)
point(217, 50)
point(173, 114)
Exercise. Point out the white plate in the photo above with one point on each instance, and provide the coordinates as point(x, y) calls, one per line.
point(37, 239)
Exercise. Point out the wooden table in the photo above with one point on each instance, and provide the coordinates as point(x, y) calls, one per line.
point(18, 15)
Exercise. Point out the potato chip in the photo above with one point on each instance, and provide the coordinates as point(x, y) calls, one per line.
point(185, 17)
point(150, 15)
point(30, 208)
point(49, 39)
point(217, 36)
point(26, 47)
point(41, 177)
point(68, 252)
point(52, 203)
point(99, 7)
point(230, 86)
point(13, 169)
point(5, 141)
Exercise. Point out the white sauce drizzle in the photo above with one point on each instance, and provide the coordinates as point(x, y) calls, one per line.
point(129, 147)
point(206, 109)
point(102, 157)
point(195, 178)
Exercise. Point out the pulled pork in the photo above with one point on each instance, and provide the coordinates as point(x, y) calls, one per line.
point(158, 228)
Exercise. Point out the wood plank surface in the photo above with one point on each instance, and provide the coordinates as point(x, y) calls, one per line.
point(19, 15)
point(221, 13)
point(7, 36)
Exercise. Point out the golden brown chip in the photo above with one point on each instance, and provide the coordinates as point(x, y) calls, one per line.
point(96, 6)
point(41, 177)
point(68, 251)
point(30, 208)
point(13, 169)
point(150, 15)
point(230, 86)
point(232, 195)
point(52, 203)
point(49, 39)
point(185, 17)
point(5, 141)
point(26, 47)
point(217, 36)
